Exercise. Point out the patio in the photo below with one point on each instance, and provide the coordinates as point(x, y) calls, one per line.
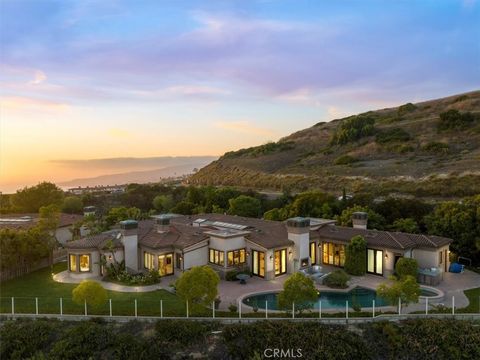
point(452, 285)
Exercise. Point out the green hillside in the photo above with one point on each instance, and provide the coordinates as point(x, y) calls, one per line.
point(430, 148)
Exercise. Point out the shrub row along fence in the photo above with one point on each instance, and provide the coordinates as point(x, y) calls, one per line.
point(176, 309)
point(8, 274)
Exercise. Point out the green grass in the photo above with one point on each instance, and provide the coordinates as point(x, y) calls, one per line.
point(41, 284)
point(473, 296)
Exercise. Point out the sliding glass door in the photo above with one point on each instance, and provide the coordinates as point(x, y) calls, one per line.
point(258, 263)
point(375, 261)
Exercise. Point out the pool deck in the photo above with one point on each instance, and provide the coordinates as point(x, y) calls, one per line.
point(452, 285)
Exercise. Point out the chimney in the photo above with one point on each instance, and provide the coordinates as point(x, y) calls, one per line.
point(162, 224)
point(359, 220)
point(129, 230)
point(298, 230)
point(298, 225)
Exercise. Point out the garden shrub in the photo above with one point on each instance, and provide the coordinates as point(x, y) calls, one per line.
point(424, 339)
point(337, 279)
point(392, 135)
point(353, 128)
point(345, 160)
point(183, 332)
point(17, 341)
point(355, 256)
point(316, 341)
point(406, 266)
point(406, 108)
point(454, 119)
point(88, 339)
point(436, 147)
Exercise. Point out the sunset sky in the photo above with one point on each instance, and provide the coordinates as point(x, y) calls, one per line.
point(115, 78)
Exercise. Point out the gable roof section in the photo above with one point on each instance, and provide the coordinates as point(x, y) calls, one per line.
point(98, 241)
point(386, 239)
point(268, 234)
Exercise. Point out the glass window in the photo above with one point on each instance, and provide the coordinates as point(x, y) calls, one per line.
point(217, 257)
point(281, 261)
point(334, 254)
point(313, 253)
point(370, 260)
point(73, 263)
point(148, 261)
point(84, 263)
point(236, 257)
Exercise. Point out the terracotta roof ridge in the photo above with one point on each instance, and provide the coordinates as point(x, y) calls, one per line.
point(394, 239)
point(429, 240)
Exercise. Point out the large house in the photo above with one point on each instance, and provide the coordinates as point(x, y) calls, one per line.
point(174, 243)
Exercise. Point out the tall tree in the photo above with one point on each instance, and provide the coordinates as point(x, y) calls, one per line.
point(244, 205)
point(355, 256)
point(298, 289)
point(31, 199)
point(375, 221)
point(48, 224)
point(198, 286)
point(461, 222)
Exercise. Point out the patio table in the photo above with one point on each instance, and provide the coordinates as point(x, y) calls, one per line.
point(243, 278)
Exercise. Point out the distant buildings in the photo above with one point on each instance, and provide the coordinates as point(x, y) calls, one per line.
point(27, 221)
point(109, 189)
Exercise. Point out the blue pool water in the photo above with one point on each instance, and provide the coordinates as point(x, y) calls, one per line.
point(330, 299)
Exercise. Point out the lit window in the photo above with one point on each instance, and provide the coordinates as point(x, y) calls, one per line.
point(73, 263)
point(236, 257)
point(84, 263)
point(217, 257)
point(148, 261)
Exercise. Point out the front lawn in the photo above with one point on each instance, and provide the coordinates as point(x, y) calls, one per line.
point(473, 296)
point(40, 284)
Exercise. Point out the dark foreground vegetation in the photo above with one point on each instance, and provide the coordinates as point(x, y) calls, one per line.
point(167, 339)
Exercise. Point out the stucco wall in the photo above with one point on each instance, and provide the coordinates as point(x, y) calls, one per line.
point(195, 257)
point(234, 243)
point(301, 250)
point(130, 244)
point(430, 258)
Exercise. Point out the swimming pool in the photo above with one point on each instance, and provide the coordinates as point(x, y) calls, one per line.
point(330, 299)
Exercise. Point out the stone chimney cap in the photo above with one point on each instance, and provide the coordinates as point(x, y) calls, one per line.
point(360, 215)
point(298, 222)
point(129, 224)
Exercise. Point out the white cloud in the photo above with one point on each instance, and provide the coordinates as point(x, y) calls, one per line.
point(39, 77)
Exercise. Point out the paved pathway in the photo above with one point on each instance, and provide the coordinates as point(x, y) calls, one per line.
point(64, 277)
